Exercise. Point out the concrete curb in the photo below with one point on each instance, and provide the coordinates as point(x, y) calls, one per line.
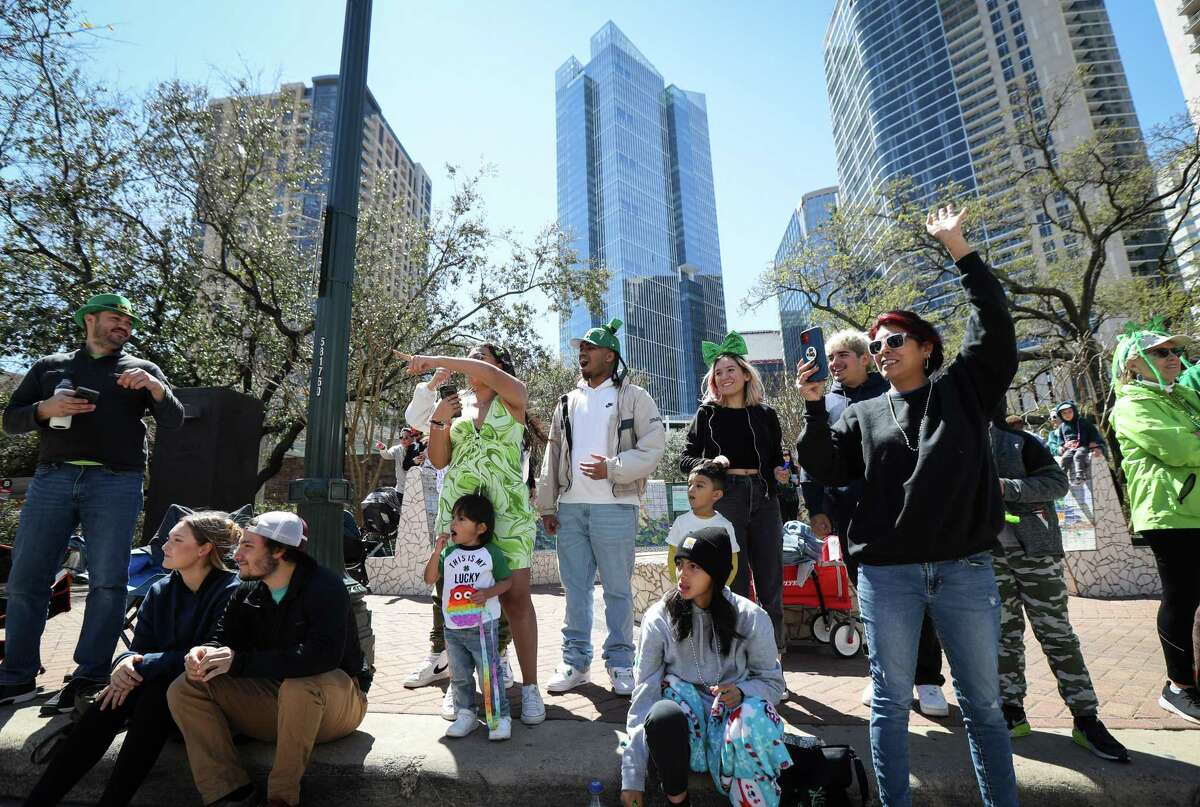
point(403, 759)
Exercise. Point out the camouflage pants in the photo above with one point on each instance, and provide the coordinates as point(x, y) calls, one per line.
point(1034, 586)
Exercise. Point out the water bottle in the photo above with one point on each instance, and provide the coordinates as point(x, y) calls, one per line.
point(595, 788)
point(62, 421)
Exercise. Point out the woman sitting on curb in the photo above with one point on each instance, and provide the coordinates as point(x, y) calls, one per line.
point(706, 678)
point(179, 612)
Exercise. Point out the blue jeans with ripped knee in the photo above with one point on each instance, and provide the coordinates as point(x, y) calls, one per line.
point(961, 598)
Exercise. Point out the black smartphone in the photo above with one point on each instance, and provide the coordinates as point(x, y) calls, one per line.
point(89, 395)
point(812, 348)
point(446, 390)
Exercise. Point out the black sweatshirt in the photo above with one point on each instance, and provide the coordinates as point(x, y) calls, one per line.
point(112, 435)
point(750, 437)
point(943, 503)
point(309, 632)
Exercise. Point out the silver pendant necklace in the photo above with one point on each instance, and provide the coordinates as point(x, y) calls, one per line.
point(696, 658)
point(920, 426)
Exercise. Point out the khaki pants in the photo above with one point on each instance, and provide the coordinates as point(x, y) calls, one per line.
point(294, 713)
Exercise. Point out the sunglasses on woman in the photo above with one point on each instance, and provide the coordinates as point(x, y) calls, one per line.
point(1163, 352)
point(894, 340)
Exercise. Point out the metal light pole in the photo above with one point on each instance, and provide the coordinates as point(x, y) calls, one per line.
point(324, 490)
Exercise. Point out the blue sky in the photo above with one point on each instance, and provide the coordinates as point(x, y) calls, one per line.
point(473, 82)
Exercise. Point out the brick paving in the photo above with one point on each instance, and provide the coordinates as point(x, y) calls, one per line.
point(1119, 642)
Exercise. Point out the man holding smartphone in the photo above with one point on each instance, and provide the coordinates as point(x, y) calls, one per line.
point(90, 471)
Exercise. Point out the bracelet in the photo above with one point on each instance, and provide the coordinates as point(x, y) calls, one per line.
point(437, 424)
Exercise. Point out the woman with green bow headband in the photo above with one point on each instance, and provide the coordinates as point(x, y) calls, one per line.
point(1157, 423)
point(734, 421)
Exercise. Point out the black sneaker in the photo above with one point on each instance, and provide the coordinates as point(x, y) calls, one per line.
point(1185, 702)
point(1090, 733)
point(63, 701)
point(18, 693)
point(1018, 724)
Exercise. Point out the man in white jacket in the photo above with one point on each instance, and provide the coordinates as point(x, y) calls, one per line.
point(606, 437)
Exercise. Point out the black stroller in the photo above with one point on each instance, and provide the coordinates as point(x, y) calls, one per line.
point(381, 520)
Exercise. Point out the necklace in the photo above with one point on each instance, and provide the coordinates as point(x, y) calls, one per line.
point(696, 658)
point(920, 426)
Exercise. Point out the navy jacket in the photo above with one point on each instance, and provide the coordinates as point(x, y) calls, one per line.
point(173, 619)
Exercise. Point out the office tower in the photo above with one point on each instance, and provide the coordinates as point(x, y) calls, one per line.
point(795, 313)
point(309, 127)
point(920, 89)
point(635, 196)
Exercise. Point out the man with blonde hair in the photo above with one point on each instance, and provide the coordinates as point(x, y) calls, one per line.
point(830, 507)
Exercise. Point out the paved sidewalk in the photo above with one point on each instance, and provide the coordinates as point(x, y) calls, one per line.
point(1119, 638)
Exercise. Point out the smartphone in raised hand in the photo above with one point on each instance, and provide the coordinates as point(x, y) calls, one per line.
point(812, 348)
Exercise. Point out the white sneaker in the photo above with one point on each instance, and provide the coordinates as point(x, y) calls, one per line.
point(435, 668)
point(533, 711)
point(868, 694)
point(621, 679)
point(464, 724)
point(502, 731)
point(448, 711)
point(506, 673)
point(931, 702)
point(567, 678)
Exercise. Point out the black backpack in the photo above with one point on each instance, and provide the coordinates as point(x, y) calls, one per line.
point(822, 776)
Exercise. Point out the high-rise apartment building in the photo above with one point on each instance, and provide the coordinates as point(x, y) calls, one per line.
point(309, 126)
point(795, 313)
point(919, 89)
point(635, 196)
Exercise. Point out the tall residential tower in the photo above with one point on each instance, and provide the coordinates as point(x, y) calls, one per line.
point(635, 195)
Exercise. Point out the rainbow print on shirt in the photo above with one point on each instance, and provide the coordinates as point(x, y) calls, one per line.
point(460, 610)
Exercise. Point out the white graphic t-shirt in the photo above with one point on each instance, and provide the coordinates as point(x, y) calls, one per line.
point(689, 522)
point(466, 569)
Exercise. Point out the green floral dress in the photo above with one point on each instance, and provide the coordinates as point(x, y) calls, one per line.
point(490, 459)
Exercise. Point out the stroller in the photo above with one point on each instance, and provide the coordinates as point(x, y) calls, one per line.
point(815, 576)
point(381, 520)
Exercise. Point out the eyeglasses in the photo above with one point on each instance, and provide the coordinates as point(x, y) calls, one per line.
point(894, 340)
point(1163, 352)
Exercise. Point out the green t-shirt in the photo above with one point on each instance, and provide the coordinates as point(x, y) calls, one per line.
point(277, 594)
point(465, 569)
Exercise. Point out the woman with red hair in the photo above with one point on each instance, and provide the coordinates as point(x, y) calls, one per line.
point(929, 516)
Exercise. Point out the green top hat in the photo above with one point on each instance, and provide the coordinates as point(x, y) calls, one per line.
point(107, 302)
point(602, 336)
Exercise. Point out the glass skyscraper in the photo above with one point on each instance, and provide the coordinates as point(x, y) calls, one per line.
point(635, 195)
point(795, 313)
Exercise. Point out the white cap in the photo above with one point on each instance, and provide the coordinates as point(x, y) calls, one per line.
point(279, 526)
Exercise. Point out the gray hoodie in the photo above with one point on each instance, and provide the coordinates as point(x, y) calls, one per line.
point(751, 663)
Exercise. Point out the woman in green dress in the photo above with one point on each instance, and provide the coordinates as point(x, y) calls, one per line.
point(481, 446)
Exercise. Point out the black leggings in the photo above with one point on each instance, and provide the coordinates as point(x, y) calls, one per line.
point(150, 726)
point(667, 740)
point(1177, 553)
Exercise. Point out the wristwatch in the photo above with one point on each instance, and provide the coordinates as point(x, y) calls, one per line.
point(437, 424)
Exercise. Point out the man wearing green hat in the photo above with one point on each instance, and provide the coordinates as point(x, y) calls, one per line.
point(87, 406)
point(606, 438)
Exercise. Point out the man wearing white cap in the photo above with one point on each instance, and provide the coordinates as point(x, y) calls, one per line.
point(284, 666)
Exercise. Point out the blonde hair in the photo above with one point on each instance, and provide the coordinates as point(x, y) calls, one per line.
point(849, 338)
point(216, 528)
point(755, 393)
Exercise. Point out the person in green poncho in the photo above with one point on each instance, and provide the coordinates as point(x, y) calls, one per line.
point(1157, 422)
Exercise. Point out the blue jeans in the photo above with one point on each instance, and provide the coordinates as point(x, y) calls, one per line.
point(591, 537)
point(466, 656)
point(962, 599)
point(106, 503)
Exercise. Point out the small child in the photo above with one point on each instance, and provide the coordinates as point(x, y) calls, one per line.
point(473, 574)
point(706, 486)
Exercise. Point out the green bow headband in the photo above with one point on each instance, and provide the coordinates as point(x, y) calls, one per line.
point(733, 345)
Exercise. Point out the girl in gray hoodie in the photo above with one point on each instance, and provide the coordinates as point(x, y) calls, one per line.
point(707, 680)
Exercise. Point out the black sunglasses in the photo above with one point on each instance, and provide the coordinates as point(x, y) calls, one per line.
point(894, 340)
point(1163, 352)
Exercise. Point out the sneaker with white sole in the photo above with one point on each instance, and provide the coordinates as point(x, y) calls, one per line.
point(621, 679)
point(931, 702)
point(533, 711)
point(434, 668)
point(448, 712)
point(463, 724)
point(567, 678)
point(1183, 702)
point(502, 731)
point(868, 694)
point(506, 672)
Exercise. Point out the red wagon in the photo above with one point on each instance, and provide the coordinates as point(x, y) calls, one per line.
point(824, 584)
